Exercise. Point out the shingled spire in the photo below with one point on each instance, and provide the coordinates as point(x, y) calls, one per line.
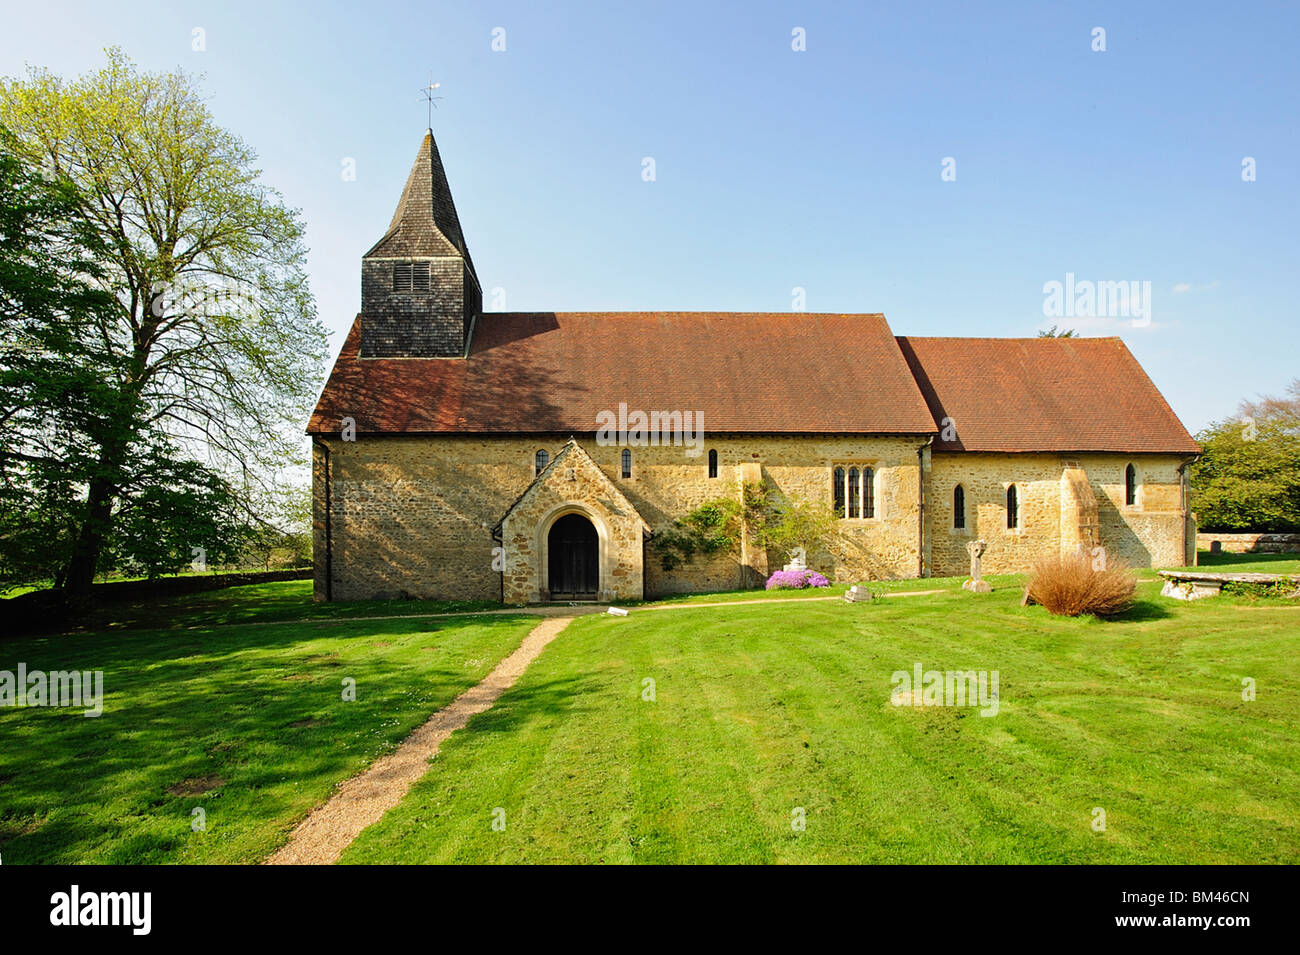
point(419, 292)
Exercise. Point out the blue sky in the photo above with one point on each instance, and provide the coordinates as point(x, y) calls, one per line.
point(776, 169)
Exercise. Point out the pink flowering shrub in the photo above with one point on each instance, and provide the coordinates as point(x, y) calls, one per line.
point(796, 579)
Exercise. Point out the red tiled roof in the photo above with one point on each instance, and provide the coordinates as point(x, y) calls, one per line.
point(1043, 394)
point(553, 372)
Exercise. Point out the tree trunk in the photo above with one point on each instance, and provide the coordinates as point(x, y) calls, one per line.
point(114, 443)
point(90, 540)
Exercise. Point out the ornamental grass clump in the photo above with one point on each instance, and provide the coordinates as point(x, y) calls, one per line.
point(796, 580)
point(1075, 585)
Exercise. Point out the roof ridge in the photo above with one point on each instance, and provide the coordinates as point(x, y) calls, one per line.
point(1014, 338)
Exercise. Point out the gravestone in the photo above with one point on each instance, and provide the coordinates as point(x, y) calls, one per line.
point(860, 594)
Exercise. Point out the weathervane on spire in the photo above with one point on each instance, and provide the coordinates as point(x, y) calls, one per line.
point(427, 93)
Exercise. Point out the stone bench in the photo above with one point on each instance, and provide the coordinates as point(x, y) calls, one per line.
point(1193, 585)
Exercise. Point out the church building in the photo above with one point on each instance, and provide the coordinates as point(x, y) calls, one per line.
point(523, 457)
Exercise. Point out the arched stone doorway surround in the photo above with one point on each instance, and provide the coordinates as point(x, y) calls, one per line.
point(571, 483)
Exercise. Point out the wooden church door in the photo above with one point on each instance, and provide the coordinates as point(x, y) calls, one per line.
point(572, 554)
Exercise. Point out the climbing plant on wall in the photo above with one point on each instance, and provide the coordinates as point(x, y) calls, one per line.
point(717, 525)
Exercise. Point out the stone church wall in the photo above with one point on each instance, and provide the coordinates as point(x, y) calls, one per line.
point(883, 547)
point(1148, 534)
point(414, 515)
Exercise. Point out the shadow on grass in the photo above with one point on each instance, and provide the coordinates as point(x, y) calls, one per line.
point(131, 651)
point(259, 708)
point(1143, 610)
point(272, 602)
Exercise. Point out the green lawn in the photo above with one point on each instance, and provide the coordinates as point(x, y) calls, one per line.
point(1260, 563)
point(1251, 563)
point(229, 701)
point(245, 722)
point(762, 710)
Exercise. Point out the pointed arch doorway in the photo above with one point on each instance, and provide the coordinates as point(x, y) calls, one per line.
point(573, 558)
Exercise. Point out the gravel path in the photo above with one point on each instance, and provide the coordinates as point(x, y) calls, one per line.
point(362, 800)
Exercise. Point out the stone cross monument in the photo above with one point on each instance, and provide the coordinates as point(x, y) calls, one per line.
point(977, 583)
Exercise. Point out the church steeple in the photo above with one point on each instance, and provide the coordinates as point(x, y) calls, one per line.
point(425, 222)
point(419, 291)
